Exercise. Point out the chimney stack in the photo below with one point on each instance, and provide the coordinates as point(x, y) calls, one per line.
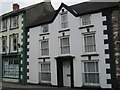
point(49, 1)
point(15, 6)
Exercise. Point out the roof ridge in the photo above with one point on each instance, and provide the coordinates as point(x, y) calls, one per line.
point(24, 8)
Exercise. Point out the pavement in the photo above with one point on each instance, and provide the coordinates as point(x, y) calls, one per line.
point(16, 86)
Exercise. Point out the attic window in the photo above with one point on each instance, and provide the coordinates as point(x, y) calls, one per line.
point(64, 20)
point(45, 29)
point(86, 20)
point(62, 10)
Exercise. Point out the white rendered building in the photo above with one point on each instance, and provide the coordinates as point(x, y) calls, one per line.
point(72, 47)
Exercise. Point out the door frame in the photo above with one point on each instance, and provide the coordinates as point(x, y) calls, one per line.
point(60, 61)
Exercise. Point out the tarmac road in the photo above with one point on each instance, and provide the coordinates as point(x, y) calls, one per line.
point(14, 86)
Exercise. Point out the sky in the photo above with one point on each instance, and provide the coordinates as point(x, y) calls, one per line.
point(6, 5)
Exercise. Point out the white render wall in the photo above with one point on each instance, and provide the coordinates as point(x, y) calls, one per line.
point(76, 49)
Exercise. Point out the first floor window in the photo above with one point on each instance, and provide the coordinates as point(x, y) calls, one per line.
point(44, 47)
point(11, 68)
point(45, 72)
point(89, 41)
point(91, 73)
point(4, 44)
point(14, 42)
point(65, 46)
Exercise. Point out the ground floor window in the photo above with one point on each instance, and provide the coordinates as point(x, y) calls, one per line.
point(11, 68)
point(45, 72)
point(91, 73)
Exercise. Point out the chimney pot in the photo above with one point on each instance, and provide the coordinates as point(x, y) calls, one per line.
point(15, 6)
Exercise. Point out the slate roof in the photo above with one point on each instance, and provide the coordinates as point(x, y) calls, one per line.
point(48, 18)
point(32, 12)
point(76, 10)
point(87, 7)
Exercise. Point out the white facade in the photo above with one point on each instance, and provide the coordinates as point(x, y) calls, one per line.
point(77, 50)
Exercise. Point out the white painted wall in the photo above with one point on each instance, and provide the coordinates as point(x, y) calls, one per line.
point(34, 55)
point(76, 49)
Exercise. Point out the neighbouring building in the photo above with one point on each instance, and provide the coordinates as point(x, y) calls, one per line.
point(116, 37)
point(13, 39)
point(73, 46)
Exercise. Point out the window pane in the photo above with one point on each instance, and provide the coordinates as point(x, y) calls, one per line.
point(45, 76)
point(64, 17)
point(65, 50)
point(91, 67)
point(45, 67)
point(96, 66)
point(89, 40)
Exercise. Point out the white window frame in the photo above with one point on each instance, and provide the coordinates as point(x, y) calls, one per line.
point(48, 71)
point(5, 42)
point(45, 28)
point(87, 46)
point(10, 69)
point(88, 72)
point(14, 22)
point(64, 46)
point(86, 20)
point(65, 22)
point(4, 25)
point(12, 44)
point(45, 49)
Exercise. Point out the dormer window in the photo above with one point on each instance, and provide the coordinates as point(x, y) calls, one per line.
point(45, 29)
point(14, 22)
point(64, 20)
point(86, 20)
